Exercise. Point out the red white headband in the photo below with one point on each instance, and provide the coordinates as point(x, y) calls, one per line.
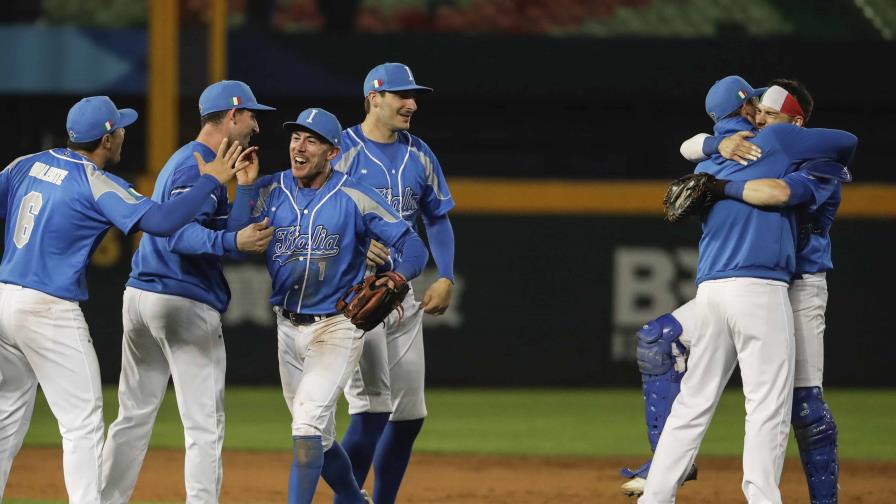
point(779, 99)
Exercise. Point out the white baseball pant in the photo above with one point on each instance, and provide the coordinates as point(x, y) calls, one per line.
point(740, 320)
point(168, 336)
point(391, 373)
point(809, 299)
point(45, 340)
point(316, 361)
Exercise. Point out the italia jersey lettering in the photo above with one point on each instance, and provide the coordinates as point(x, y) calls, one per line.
point(406, 173)
point(58, 206)
point(321, 237)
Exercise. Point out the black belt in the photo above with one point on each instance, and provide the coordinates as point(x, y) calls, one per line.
point(298, 319)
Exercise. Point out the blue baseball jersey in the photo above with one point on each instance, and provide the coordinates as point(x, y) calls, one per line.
point(740, 240)
point(58, 206)
point(814, 221)
point(406, 173)
point(321, 237)
point(188, 263)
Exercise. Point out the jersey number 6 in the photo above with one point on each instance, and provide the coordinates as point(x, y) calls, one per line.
point(28, 210)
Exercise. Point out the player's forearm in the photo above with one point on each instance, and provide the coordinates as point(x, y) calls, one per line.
point(694, 149)
point(240, 214)
point(166, 218)
point(766, 193)
point(194, 239)
point(413, 256)
point(441, 243)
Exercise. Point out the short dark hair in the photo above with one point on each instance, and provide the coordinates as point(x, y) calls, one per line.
point(85, 146)
point(367, 101)
point(799, 91)
point(213, 117)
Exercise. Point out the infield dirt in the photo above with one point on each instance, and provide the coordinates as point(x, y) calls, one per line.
point(260, 477)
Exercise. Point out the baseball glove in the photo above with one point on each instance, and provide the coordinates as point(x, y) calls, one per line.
point(370, 304)
point(689, 195)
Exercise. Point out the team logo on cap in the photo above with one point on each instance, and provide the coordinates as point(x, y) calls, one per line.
point(71, 135)
point(377, 83)
point(108, 125)
point(236, 100)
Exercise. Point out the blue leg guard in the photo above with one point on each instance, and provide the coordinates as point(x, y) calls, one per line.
point(364, 431)
point(393, 453)
point(816, 436)
point(308, 459)
point(337, 472)
point(658, 348)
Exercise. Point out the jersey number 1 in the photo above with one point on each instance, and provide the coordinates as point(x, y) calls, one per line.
point(28, 210)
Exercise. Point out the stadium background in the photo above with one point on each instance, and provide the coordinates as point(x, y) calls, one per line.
point(557, 124)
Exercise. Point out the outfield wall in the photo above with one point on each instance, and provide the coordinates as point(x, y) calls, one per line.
point(551, 300)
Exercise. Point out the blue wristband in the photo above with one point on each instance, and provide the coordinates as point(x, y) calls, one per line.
point(735, 189)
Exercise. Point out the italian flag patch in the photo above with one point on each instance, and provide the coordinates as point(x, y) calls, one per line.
point(236, 100)
point(742, 94)
point(108, 125)
point(377, 83)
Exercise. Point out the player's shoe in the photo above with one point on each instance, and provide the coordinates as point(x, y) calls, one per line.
point(367, 498)
point(635, 486)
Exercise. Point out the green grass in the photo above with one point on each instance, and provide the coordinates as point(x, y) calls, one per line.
point(588, 423)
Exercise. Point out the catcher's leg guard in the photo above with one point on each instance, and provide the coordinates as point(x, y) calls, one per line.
point(661, 359)
point(816, 435)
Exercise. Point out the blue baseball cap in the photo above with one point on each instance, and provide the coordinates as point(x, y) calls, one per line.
point(392, 77)
point(95, 116)
point(226, 95)
point(727, 95)
point(318, 120)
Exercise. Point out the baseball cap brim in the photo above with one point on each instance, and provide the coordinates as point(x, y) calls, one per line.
point(127, 117)
point(419, 89)
point(257, 106)
point(758, 92)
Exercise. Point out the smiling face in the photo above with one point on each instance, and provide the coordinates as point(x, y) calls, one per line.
point(243, 125)
point(766, 115)
point(393, 109)
point(309, 157)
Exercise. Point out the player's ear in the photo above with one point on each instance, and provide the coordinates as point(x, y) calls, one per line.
point(334, 151)
point(799, 121)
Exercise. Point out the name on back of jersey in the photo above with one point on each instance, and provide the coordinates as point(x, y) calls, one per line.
point(290, 244)
point(48, 173)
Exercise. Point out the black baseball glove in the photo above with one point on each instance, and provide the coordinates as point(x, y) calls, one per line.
point(692, 194)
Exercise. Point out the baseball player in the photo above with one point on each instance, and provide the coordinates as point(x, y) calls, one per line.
point(663, 343)
point(173, 303)
point(743, 315)
point(59, 205)
point(385, 394)
point(815, 189)
point(324, 222)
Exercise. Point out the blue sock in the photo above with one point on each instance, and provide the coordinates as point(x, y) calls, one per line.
point(360, 440)
point(392, 456)
point(308, 459)
point(337, 472)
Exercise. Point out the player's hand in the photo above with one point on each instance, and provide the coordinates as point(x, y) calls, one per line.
point(222, 167)
point(437, 297)
point(247, 166)
point(377, 254)
point(254, 238)
point(738, 148)
point(388, 281)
